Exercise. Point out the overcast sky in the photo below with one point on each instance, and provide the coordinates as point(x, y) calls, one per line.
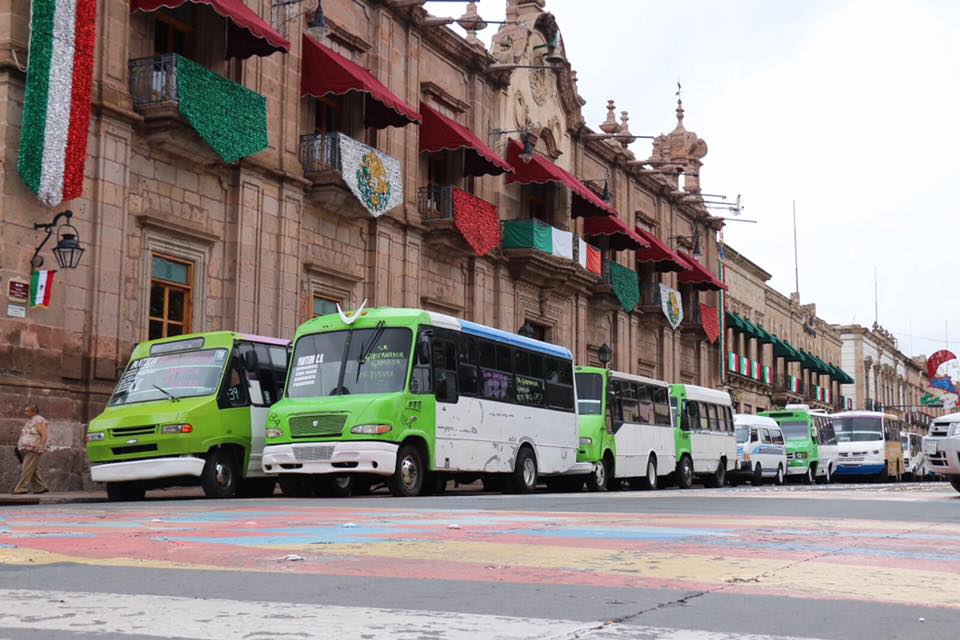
point(849, 107)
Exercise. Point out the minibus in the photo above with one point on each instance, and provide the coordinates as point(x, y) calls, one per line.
point(417, 398)
point(869, 444)
point(190, 409)
point(703, 429)
point(626, 430)
point(761, 452)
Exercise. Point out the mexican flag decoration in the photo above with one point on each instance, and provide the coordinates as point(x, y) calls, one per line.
point(56, 107)
point(41, 285)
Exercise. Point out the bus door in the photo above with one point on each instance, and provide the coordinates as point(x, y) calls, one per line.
point(263, 369)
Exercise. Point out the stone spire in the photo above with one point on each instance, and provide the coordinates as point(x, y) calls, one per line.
point(684, 148)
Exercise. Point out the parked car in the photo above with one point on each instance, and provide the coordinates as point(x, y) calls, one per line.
point(941, 448)
point(761, 452)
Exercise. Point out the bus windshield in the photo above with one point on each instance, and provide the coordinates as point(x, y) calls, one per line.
point(795, 430)
point(858, 429)
point(743, 434)
point(170, 376)
point(376, 362)
point(589, 394)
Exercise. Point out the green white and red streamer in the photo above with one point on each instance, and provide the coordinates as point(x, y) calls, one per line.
point(41, 286)
point(56, 107)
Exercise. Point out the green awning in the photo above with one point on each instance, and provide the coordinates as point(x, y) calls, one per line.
point(840, 375)
point(764, 336)
point(736, 323)
point(748, 328)
point(807, 361)
point(783, 349)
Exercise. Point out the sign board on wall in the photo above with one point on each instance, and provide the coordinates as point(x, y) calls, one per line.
point(18, 290)
point(16, 311)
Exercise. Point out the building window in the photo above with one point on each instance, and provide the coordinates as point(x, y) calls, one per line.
point(171, 290)
point(438, 170)
point(537, 202)
point(173, 31)
point(323, 305)
point(327, 116)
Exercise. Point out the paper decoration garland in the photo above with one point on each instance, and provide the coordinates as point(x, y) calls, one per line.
point(625, 285)
point(710, 322)
point(372, 176)
point(672, 305)
point(41, 286)
point(56, 105)
point(230, 118)
point(477, 221)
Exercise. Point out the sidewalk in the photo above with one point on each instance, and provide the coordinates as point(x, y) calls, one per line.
point(76, 497)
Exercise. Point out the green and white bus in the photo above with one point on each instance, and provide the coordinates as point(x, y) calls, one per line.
point(416, 398)
point(190, 409)
point(626, 430)
point(812, 449)
point(706, 445)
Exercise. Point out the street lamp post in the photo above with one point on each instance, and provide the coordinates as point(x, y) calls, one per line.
point(67, 250)
point(605, 353)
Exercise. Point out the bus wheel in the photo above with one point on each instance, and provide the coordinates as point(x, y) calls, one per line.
point(597, 481)
point(757, 478)
point(685, 472)
point(718, 478)
point(779, 480)
point(335, 486)
point(221, 474)
point(122, 491)
point(810, 475)
point(407, 479)
point(649, 482)
point(524, 476)
point(955, 482)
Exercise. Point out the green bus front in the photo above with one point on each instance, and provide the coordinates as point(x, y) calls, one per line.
point(799, 433)
point(189, 409)
point(597, 443)
point(347, 409)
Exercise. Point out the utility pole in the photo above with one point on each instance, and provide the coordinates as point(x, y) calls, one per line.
point(796, 258)
point(876, 298)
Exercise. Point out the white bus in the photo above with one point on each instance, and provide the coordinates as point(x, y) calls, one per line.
point(869, 445)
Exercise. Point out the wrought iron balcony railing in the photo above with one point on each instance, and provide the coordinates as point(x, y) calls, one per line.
point(320, 152)
point(435, 202)
point(154, 80)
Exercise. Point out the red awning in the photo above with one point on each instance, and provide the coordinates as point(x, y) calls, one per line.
point(440, 133)
point(539, 170)
point(247, 33)
point(620, 236)
point(699, 277)
point(665, 258)
point(325, 72)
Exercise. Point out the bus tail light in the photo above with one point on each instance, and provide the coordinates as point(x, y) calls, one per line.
point(370, 429)
point(176, 428)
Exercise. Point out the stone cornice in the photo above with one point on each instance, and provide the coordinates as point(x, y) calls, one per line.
point(177, 227)
point(441, 95)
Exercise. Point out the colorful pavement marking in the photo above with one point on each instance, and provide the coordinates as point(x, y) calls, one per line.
point(881, 561)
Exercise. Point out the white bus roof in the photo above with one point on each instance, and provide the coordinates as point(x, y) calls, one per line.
point(864, 414)
point(619, 375)
point(702, 394)
point(750, 420)
point(950, 418)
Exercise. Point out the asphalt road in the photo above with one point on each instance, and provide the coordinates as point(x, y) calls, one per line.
point(844, 562)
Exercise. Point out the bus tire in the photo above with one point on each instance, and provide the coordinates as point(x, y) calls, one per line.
point(524, 476)
point(407, 479)
point(779, 480)
point(649, 481)
point(718, 478)
point(599, 479)
point(757, 478)
point(220, 477)
point(685, 472)
point(257, 487)
point(124, 491)
point(810, 476)
point(335, 486)
point(955, 482)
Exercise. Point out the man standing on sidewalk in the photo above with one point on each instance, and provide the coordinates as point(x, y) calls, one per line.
point(33, 438)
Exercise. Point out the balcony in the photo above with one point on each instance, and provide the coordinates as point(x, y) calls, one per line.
point(528, 246)
point(787, 388)
point(180, 100)
point(458, 224)
point(742, 368)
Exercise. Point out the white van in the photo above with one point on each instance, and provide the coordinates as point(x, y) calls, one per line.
point(761, 452)
point(941, 449)
point(914, 465)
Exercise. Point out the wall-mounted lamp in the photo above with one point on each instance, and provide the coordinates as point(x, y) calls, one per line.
point(526, 330)
point(526, 137)
point(68, 250)
point(605, 354)
point(605, 196)
point(691, 240)
point(318, 26)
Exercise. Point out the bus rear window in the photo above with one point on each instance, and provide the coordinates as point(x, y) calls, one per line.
point(589, 393)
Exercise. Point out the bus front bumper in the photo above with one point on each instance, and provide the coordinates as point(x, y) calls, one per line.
point(147, 469)
point(943, 455)
point(867, 468)
point(379, 458)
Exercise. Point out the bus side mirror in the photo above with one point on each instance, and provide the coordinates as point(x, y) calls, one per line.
point(250, 361)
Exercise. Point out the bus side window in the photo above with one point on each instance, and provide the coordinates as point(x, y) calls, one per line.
point(445, 369)
point(764, 436)
point(233, 394)
point(691, 419)
point(729, 412)
point(713, 424)
point(704, 416)
point(559, 383)
point(468, 374)
point(420, 377)
point(645, 403)
point(628, 402)
point(528, 373)
point(661, 406)
point(776, 436)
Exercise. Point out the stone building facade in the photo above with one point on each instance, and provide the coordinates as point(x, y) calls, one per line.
point(776, 375)
point(178, 240)
point(886, 378)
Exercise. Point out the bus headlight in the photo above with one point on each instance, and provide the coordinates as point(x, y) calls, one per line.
point(370, 429)
point(586, 442)
point(176, 428)
point(95, 436)
point(272, 434)
point(800, 455)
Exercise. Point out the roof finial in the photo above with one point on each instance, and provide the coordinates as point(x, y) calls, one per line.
point(679, 95)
